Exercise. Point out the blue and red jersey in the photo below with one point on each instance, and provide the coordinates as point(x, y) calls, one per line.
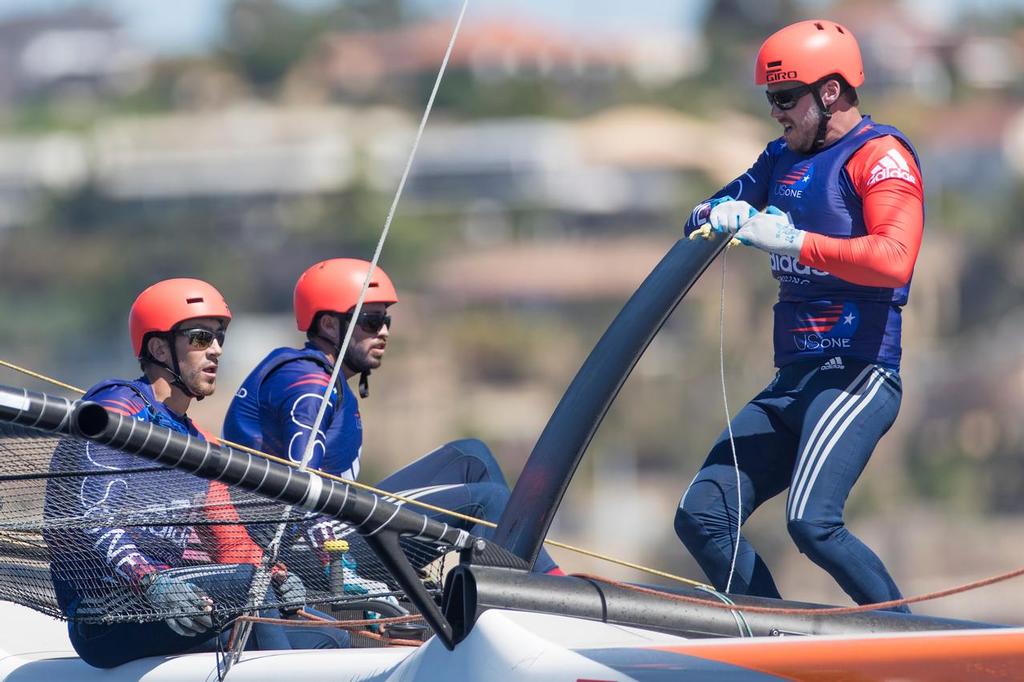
point(275, 409)
point(861, 202)
point(109, 486)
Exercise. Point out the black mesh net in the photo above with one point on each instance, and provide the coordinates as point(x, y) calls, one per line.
point(93, 534)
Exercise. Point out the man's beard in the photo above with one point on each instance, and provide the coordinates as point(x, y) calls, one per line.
point(359, 363)
point(809, 124)
point(199, 385)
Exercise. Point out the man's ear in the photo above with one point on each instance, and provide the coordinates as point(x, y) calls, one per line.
point(328, 323)
point(159, 349)
point(830, 92)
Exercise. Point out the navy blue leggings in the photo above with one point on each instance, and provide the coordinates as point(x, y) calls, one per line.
point(812, 430)
point(461, 476)
point(464, 477)
point(109, 645)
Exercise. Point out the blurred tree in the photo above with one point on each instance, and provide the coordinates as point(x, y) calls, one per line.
point(733, 30)
point(264, 39)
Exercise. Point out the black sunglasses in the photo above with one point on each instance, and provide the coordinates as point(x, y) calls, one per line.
point(201, 339)
point(372, 322)
point(787, 99)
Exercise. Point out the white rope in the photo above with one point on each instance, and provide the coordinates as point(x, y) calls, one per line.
point(261, 580)
point(728, 423)
point(380, 243)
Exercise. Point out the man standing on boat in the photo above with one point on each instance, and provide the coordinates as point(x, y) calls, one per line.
point(837, 203)
point(107, 576)
point(277, 405)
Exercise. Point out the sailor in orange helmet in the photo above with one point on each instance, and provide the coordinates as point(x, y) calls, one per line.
point(837, 202)
point(277, 405)
point(128, 590)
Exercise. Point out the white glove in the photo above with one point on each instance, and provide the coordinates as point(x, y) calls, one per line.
point(730, 214)
point(181, 601)
point(356, 584)
point(772, 231)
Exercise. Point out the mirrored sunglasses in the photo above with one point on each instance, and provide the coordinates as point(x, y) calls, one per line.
point(201, 339)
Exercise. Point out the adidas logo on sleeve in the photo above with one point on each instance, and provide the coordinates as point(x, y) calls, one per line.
point(892, 165)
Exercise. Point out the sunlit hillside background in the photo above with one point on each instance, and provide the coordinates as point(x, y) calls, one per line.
point(557, 168)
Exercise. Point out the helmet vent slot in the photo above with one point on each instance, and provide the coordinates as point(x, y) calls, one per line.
point(194, 300)
point(818, 26)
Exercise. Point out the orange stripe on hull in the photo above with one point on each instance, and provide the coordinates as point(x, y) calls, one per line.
point(920, 657)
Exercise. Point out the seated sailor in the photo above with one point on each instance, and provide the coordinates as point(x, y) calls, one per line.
point(276, 408)
point(148, 561)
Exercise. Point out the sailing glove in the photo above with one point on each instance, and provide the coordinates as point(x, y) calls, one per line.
point(289, 588)
point(773, 231)
point(728, 214)
point(722, 215)
point(187, 607)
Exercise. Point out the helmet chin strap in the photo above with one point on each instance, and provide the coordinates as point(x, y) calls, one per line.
point(364, 377)
point(364, 373)
point(175, 371)
point(826, 115)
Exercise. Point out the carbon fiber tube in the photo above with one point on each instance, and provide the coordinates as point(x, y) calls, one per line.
point(548, 471)
point(365, 511)
point(37, 410)
point(473, 589)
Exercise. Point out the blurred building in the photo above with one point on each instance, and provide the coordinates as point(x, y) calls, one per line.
point(79, 52)
point(622, 161)
point(496, 50)
point(628, 161)
point(245, 151)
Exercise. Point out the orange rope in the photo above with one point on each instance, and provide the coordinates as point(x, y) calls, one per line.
point(316, 621)
point(357, 626)
point(832, 611)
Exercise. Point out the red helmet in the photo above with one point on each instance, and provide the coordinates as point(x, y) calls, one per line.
point(163, 305)
point(334, 285)
point(807, 51)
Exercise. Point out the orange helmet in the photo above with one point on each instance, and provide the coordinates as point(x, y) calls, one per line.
point(163, 305)
point(334, 285)
point(807, 51)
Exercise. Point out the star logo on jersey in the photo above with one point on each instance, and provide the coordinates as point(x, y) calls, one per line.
point(799, 175)
point(823, 327)
point(892, 166)
point(794, 182)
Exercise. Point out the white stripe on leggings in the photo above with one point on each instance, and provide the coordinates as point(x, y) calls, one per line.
point(812, 442)
point(846, 408)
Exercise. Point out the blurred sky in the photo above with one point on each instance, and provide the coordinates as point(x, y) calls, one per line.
point(185, 26)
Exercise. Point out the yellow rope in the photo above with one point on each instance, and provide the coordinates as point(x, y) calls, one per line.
point(69, 387)
point(394, 496)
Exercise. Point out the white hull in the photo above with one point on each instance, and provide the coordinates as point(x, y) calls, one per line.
point(504, 645)
point(514, 645)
